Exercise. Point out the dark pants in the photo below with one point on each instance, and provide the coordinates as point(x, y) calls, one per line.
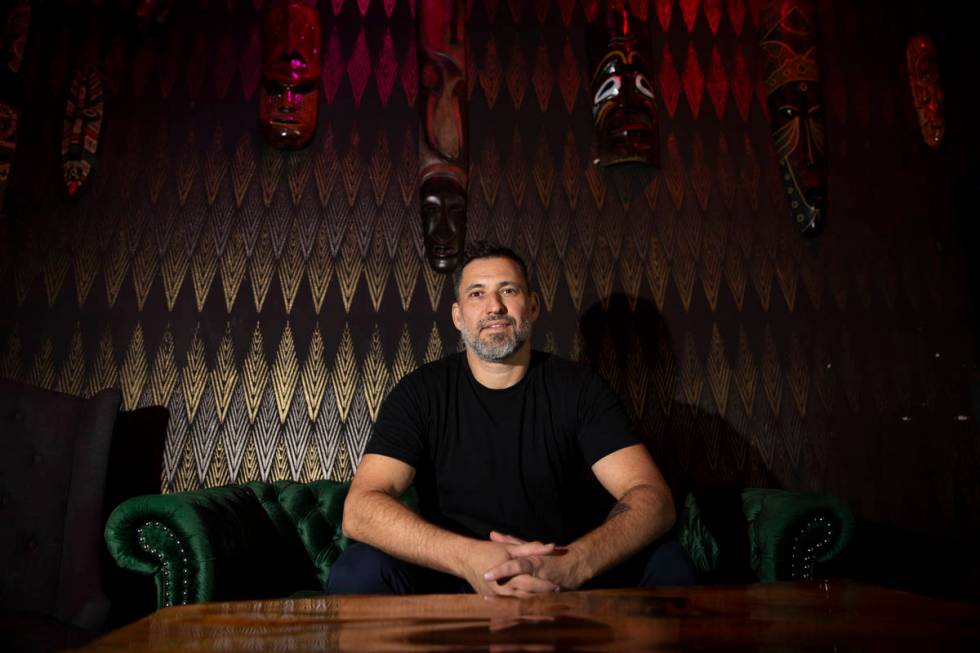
point(362, 569)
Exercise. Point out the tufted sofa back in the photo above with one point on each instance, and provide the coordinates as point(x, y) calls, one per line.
point(257, 540)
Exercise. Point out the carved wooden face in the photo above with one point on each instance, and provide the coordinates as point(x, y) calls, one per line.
point(8, 138)
point(289, 92)
point(443, 202)
point(82, 126)
point(927, 94)
point(624, 107)
point(794, 99)
point(797, 124)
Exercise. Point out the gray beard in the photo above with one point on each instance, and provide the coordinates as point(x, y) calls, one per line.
point(498, 346)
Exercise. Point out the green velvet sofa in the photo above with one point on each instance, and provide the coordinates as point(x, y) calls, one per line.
point(262, 540)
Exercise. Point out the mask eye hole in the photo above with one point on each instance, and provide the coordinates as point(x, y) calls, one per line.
point(788, 112)
point(609, 89)
point(643, 86)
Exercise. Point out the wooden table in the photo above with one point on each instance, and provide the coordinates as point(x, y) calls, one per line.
point(836, 616)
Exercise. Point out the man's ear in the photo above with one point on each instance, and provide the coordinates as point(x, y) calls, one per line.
point(457, 316)
point(535, 306)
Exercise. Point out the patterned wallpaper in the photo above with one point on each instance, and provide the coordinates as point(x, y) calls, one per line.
point(271, 299)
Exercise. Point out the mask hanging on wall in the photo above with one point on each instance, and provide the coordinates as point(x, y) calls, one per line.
point(82, 128)
point(443, 146)
point(149, 16)
point(791, 70)
point(927, 94)
point(289, 92)
point(14, 23)
point(624, 107)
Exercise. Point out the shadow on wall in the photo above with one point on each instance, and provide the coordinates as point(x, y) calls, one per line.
point(627, 342)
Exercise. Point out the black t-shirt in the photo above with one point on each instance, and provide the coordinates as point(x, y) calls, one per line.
point(514, 460)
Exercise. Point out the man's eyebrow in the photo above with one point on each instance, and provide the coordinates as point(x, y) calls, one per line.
point(477, 284)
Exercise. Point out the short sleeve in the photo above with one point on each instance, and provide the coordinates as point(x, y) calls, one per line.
point(604, 426)
point(399, 430)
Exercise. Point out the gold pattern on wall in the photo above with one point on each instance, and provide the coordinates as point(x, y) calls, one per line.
point(71, 375)
point(132, 375)
point(285, 373)
point(344, 374)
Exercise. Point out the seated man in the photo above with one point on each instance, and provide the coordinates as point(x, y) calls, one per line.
point(503, 445)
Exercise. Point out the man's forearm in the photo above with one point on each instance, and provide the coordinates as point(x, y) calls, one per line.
point(642, 515)
point(380, 520)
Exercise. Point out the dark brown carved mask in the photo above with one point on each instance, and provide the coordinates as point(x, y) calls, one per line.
point(624, 107)
point(443, 202)
point(443, 146)
point(289, 93)
point(794, 97)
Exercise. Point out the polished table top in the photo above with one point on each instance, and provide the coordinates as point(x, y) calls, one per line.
point(834, 616)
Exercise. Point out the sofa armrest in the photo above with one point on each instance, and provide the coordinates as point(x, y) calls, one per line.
point(206, 545)
point(790, 533)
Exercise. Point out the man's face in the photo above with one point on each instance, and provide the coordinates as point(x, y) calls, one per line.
point(289, 91)
point(495, 310)
point(443, 222)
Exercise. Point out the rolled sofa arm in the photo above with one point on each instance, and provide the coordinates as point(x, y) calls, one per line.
point(741, 535)
point(790, 533)
point(207, 545)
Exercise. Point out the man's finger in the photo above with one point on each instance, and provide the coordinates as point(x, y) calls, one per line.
point(510, 568)
point(505, 539)
point(531, 585)
point(530, 549)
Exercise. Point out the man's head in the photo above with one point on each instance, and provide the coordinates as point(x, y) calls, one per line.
point(494, 309)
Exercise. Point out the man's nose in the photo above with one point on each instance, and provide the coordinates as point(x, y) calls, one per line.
point(494, 304)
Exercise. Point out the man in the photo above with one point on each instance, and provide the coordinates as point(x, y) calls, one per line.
point(495, 440)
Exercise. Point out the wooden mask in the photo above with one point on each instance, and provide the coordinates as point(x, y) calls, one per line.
point(624, 107)
point(792, 80)
point(289, 92)
point(927, 94)
point(443, 147)
point(82, 128)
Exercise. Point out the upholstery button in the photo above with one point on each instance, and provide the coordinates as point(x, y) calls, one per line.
point(37, 458)
point(16, 417)
point(32, 544)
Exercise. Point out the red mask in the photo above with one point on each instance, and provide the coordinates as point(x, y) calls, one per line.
point(926, 91)
point(289, 92)
point(624, 108)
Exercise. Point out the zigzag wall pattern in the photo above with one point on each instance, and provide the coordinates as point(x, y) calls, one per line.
point(270, 300)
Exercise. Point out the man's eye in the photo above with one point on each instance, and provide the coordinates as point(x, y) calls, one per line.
point(609, 89)
point(476, 293)
point(788, 112)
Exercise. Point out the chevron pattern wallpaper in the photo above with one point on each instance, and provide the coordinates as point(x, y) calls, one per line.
point(270, 300)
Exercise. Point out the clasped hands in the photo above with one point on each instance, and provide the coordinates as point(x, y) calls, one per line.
point(510, 566)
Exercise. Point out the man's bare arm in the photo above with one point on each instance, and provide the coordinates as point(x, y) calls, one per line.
point(644, 511)
point(373, 515)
